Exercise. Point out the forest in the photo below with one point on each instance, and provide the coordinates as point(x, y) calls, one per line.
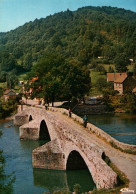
point(82, 35)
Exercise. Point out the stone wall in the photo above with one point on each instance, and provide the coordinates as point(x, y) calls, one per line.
point(90, 109)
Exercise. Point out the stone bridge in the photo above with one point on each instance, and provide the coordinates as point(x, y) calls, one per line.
point(70, 145)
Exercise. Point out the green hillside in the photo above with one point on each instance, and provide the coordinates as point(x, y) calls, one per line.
point(84, 35)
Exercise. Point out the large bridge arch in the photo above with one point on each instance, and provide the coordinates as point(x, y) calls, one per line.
point(93, 164)
point(75, 161)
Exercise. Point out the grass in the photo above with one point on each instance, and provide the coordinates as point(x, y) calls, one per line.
point(106, 66)
point(18, 88)
point(3, 85)
point(94, 77)
point(22, 76)
point(122, 150)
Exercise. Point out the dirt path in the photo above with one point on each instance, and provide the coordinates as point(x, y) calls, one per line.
point(125, 162)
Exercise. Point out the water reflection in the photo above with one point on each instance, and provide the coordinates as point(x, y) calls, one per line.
point(57, 180)
point(50, 179)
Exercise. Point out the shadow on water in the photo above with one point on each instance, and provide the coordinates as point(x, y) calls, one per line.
point(56, 180)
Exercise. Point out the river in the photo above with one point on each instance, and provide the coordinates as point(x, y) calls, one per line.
point(18, 155)
point(121, 126)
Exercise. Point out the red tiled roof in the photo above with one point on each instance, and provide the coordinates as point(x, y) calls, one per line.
point(120, 79)
point(34, 79)
point(8, 91)
point(116, 77)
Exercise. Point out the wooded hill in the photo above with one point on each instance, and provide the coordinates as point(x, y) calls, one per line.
point(84, 35)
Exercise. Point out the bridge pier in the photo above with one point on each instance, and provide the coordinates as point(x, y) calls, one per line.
point(49, 156)
point(21, 119)
point(29, 131)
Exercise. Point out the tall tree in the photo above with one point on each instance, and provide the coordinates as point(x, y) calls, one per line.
point(121, 62)
point(58, 79)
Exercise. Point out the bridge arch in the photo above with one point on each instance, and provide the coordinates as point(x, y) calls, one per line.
point(70, 150)
point(44, 132)
point(75, 161)
point(30, 118)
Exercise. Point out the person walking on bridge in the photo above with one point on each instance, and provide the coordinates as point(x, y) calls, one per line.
point(85, 121)
point(69, 111)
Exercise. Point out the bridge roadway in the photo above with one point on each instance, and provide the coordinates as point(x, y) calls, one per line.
point(125, 162)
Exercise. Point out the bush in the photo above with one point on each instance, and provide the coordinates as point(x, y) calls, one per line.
point(77, 189)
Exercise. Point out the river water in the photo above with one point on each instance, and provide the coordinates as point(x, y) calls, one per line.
point(18, 155)
point(120, 126)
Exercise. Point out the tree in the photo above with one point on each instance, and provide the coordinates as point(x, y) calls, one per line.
point(111, 70)
point(58, 79)
point(77, 79)
point(121, 62)
point(101, 84)
point(48, 72)
point(27, 62)
point(12, 80)
point(100, 69)
point(134, 70)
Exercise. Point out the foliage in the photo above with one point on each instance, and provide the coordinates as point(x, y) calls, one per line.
point(129, 102)
point(100, 69)
point(1, 92)
point(3, 76)
point(121, 63)
point(12, 80)
point(6, 181)
point(59, 79)
point(124, 103)
point(77, 189)
point(8, 107)
point(83, 35)
point(134, 70)
point(101, 84)
point(110, 70)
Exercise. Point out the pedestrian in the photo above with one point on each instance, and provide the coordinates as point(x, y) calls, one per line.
point(69, 110)
point(85, 121)
point(46, 107)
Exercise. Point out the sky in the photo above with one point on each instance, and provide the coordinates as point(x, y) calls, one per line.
point(15, 13)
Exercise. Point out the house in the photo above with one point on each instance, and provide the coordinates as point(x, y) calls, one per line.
point(111, 77)
point(9, 94)
point(122, 81)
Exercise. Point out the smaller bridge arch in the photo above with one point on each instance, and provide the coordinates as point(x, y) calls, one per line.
point(44, 132)
point(30, 118)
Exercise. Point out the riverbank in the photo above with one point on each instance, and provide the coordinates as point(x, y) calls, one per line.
point(90, 109)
